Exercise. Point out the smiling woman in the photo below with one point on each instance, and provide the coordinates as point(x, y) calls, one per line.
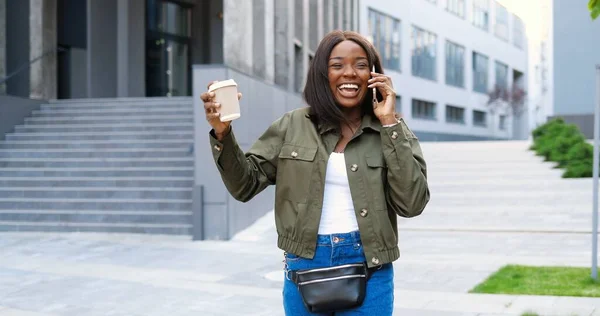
point(344, 168)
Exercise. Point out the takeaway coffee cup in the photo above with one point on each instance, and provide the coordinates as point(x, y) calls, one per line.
point(226, 94)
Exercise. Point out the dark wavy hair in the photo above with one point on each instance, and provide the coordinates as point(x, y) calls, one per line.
point(317, 92)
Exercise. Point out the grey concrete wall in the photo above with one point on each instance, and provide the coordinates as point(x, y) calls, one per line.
point(17, 53)
point(131, 48)
point(585, 122)
point(102, 48)
point(576, 48)
point(2, 43)
point(262, 104)
point(237, 30)
point(42, 38)
point(14, 110)
point(137, 48)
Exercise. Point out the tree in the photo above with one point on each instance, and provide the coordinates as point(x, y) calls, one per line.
point(510, 101)
point(594, 7)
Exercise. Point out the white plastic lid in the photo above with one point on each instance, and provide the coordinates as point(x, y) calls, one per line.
point(221, 84)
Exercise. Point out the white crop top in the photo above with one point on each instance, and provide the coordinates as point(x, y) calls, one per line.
point(337, 215)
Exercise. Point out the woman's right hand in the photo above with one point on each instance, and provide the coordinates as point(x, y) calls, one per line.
point(211, 109)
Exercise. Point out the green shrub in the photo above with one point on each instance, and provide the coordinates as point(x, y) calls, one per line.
point(579, 169)
point(562, 146)
point(565, 144)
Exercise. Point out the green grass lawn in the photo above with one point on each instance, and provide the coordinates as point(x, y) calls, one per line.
point(557, 281)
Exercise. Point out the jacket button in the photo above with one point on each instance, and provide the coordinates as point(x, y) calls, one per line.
point(217, 148)
point(294, 154)
point(354, 167)
point(394, 135)
point(375, 261)
point(364, 212)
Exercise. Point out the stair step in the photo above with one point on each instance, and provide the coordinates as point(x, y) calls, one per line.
point(112, 135)
point(116, 144)
point(71, 216)
point(116, 121)
point(101, 128)
point(86, 153)
point(96, 162)
point(138, 100)
point(95, 172)
point(95, 193)
point(186, 110)
point(87, 182)
point(171, 229)
point(94, 204)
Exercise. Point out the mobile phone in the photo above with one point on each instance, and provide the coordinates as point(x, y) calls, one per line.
point(374, 91)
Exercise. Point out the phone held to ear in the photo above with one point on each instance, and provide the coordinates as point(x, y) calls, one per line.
point(374, 91)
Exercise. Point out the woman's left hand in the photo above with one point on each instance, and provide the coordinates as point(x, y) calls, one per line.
point(385, 110)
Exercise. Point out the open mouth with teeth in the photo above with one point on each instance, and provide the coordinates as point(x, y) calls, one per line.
point(348, 90)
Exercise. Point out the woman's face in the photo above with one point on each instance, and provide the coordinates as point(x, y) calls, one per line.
point(348, 73)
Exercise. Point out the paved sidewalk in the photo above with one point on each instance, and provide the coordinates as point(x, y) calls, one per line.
point(492, 204)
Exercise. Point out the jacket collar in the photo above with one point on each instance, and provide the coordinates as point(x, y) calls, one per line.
point(367, 122)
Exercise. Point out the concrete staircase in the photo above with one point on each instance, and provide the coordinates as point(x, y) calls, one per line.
point(100, 165)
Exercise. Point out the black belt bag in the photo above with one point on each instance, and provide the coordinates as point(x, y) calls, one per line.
point(333, 288)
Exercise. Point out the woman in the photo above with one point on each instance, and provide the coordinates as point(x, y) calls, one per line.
point(344, 168)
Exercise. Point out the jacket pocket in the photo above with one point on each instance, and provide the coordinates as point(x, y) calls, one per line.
point(376, 179)
point(294, 172)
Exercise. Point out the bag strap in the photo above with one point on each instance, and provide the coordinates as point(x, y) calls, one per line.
point(292, 275)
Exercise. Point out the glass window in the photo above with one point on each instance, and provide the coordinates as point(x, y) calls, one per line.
point(502, 122)
point(455, 114)
point(501, 76)
point(424, 53)
point(457, 7)
point(423, 109)
point(501, 28)
point(385, 32)
point(480, 72)
point(518, 32)
point(455, 64)
point(479, 118)
point(398, 104)
point(481, 13)
point(168, 26)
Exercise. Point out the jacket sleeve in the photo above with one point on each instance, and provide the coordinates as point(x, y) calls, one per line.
point(407, 192)
point(246, 175)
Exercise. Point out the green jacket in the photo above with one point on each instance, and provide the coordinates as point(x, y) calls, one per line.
point(386, 172)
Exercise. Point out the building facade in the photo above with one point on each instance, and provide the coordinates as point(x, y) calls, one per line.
point(446, 57)
point(572, 57)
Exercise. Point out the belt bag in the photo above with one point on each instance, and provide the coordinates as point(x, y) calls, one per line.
point(333, 288)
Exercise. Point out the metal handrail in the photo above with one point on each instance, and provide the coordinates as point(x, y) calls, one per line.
point(28, 64)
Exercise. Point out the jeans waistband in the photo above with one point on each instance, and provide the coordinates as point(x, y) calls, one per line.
point(339, 239)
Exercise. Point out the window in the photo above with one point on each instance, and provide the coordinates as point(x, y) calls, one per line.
point(502, 123)
point(455, 65)
point(398, 104)
point(385, 32)
point(457, 7)
point(481, 14)
point(423, 110)
point(480, 72)
point(455, 114)
point(518, 31)
point(479, 118)
point(501, 76)
point(501, 28)
point(423, 53)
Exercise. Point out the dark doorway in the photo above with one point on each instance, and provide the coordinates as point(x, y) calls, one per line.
point(71, 24)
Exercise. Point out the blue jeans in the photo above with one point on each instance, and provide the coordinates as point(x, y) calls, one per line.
point(338, 249)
